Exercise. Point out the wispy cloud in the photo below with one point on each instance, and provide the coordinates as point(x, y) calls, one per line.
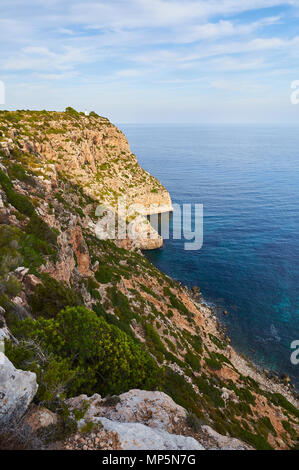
point(154, 47)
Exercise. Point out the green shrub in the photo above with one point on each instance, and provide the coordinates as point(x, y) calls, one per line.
point(86, 353)
point(287, 426)
point(210, 392)
point(181, 391)
point(113, 320)
point(279, 400)
point(5, 181)
point(93, 114)
point(255, 440)
point(20, 202)
point(193, 361)
point(52, 296)
point(120, 304)
point(36, 226)
point(104, 274)
point(216, 341)
point(17, 172)
point(245, 395)
point(196, 342)
point(213, 363)
point(193, 422)
point(176, 303)
point(264, 426)
point(72, 112)
point(153, 341)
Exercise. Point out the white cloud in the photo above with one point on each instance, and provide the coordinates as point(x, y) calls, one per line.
point(154, 52)
point(159, 13)
point(40, 58)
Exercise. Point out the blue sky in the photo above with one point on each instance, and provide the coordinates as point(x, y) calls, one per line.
point(153, 60)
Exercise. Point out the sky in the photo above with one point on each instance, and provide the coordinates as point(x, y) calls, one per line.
point(153, 61)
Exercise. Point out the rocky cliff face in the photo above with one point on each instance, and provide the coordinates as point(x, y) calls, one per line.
point(61, 289)
point(93, 154)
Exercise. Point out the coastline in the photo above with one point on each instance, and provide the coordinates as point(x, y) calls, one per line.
point(244, 364)
point(270, 381)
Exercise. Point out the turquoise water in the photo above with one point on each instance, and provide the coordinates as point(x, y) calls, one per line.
point(247, 178)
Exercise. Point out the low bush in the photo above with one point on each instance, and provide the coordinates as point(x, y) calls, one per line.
point(193, 361)
point(104, 274)
point(213, 364)
point(36, 226)
point(20, 202)
point(52, 296)
point(83, 354)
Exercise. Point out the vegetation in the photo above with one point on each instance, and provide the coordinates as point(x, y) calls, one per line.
point(78, 352)
point(51, 296)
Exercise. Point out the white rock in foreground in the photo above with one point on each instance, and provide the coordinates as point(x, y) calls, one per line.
point(136, 436)
point(17, 389)
point(155, 409)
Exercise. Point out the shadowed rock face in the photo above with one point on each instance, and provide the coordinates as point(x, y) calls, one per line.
point(17, 389)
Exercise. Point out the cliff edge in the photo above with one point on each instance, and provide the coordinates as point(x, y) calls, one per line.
point(92, 153)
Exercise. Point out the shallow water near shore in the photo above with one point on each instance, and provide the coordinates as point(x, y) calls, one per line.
point(247, 178)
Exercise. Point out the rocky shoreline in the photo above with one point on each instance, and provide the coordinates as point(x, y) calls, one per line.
point(280, 383)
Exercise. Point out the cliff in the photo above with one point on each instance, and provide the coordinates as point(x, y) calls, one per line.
point(90, 152)
point(91, 318)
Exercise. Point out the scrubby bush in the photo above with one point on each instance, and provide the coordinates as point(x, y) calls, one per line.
point(153, 341)
point(193, 361)
point(181, 391)
point(71, 111)
point(20, 202)
point(52, 296)
point(17, 172)
point(176, 303)
point(193, 422)
point(85, 354)
point(104, 274)
point(36, 226)
point(120, 303)
point(279, 400)
point(213, 363)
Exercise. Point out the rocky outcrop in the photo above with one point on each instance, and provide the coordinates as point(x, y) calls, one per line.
point(17, 389)
point(154, 409)
point(139, 419)
point(136, 436)
point(218, 441)
point(40, 418)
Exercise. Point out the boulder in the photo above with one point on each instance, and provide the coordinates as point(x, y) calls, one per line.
point(17, 389)
point(40, 417)
point(136, 436)
point(154, 409)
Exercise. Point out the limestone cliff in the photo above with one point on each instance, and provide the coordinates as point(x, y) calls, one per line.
point(90, 152)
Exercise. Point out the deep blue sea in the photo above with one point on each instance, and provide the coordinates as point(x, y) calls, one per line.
point(247, 178)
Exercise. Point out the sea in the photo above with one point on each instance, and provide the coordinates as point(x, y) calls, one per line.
point(247, 179)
